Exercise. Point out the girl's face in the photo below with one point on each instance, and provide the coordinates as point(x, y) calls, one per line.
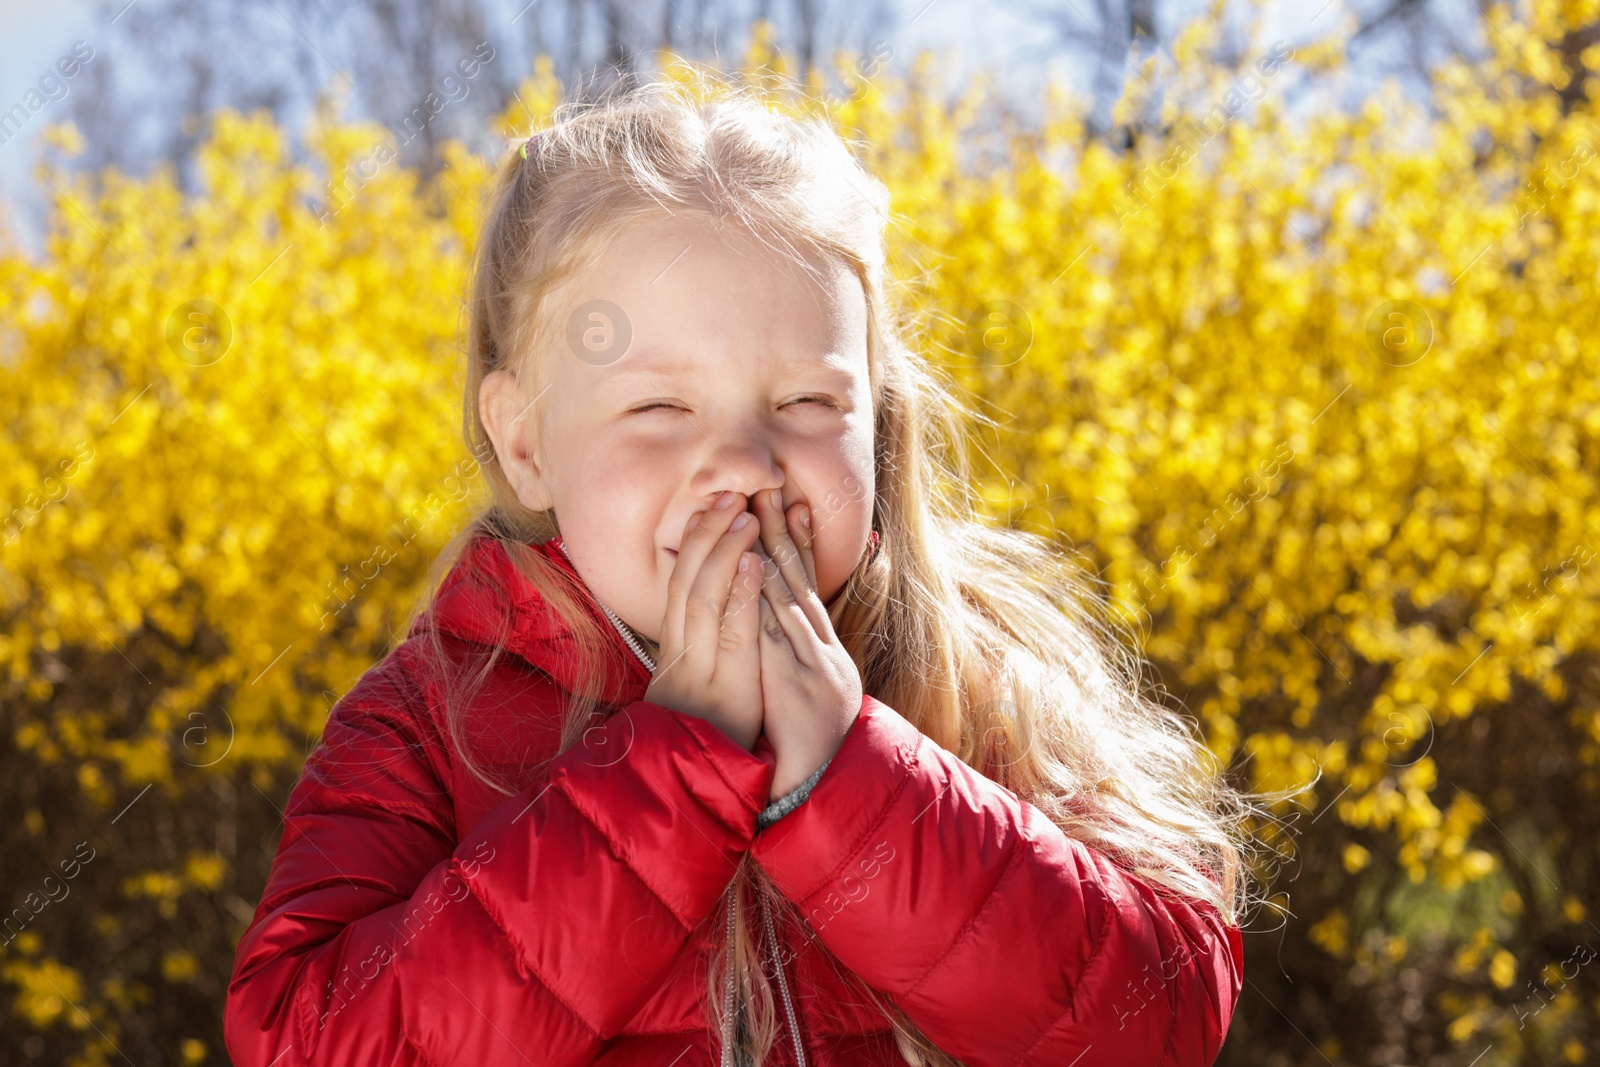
point(690, 361)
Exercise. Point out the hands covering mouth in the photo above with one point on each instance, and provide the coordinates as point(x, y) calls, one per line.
point(764, 659)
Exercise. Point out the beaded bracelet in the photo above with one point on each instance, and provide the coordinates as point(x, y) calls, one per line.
point(790, 800)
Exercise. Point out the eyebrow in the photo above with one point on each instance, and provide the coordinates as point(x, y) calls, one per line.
point(649, 362)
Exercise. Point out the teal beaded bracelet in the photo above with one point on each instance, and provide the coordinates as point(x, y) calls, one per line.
point(790, 800)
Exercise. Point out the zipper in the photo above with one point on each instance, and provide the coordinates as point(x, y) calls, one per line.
point(783, 985)
point(727, 995)
point(766, 913)
point(783, 989)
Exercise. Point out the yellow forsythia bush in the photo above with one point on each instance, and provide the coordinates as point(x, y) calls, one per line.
point(1315, 400)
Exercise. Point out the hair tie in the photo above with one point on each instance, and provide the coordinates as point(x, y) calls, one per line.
point(528, 144)
point(872, 544)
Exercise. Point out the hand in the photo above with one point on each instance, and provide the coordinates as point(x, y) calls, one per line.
point(810, 688)
point(710, 664)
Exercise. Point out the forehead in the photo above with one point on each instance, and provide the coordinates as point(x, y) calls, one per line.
point(685, 291)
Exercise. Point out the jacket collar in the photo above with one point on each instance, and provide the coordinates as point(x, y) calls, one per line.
point(485, 599)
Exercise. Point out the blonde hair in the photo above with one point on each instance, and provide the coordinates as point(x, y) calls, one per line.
point(990, 641)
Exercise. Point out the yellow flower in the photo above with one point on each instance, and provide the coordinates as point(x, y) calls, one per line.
point(1503, 968)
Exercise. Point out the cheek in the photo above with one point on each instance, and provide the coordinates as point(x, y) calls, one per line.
point(842, 521)
point(609, 506)
point(607, 485)
point(840, 543)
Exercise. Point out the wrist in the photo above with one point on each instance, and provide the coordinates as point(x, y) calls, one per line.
point(801, 758)
point(786, 777)
point(785, 802)
point(743, 737)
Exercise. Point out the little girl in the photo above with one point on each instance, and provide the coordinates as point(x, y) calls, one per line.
point(731, 734)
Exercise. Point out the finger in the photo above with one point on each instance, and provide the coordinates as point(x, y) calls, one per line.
point(802, 535)
point(781, 548)
point(707, 599)
point(797, 628)
point(740, 621)
point(773, 639)
point(701, 532)
point(677, 586)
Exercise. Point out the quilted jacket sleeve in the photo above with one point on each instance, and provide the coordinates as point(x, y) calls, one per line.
point(380, 939)
point(1005, 941)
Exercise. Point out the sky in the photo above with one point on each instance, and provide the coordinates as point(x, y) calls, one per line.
point(996, 35)
point(33, 37)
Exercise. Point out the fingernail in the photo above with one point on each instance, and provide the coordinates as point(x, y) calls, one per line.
point(744, 519)
point(725, 499)
point(744, 562)
point(694, 520)
point(804, 518)
point(777, 499)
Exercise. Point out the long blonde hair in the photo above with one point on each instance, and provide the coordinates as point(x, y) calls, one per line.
point(990, 641)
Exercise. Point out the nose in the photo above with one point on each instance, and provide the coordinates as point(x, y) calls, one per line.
point(737, 459)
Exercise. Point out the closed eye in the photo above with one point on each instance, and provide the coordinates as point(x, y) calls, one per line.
point(663, 405)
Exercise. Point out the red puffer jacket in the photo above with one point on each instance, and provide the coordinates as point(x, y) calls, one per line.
point(413, 916)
